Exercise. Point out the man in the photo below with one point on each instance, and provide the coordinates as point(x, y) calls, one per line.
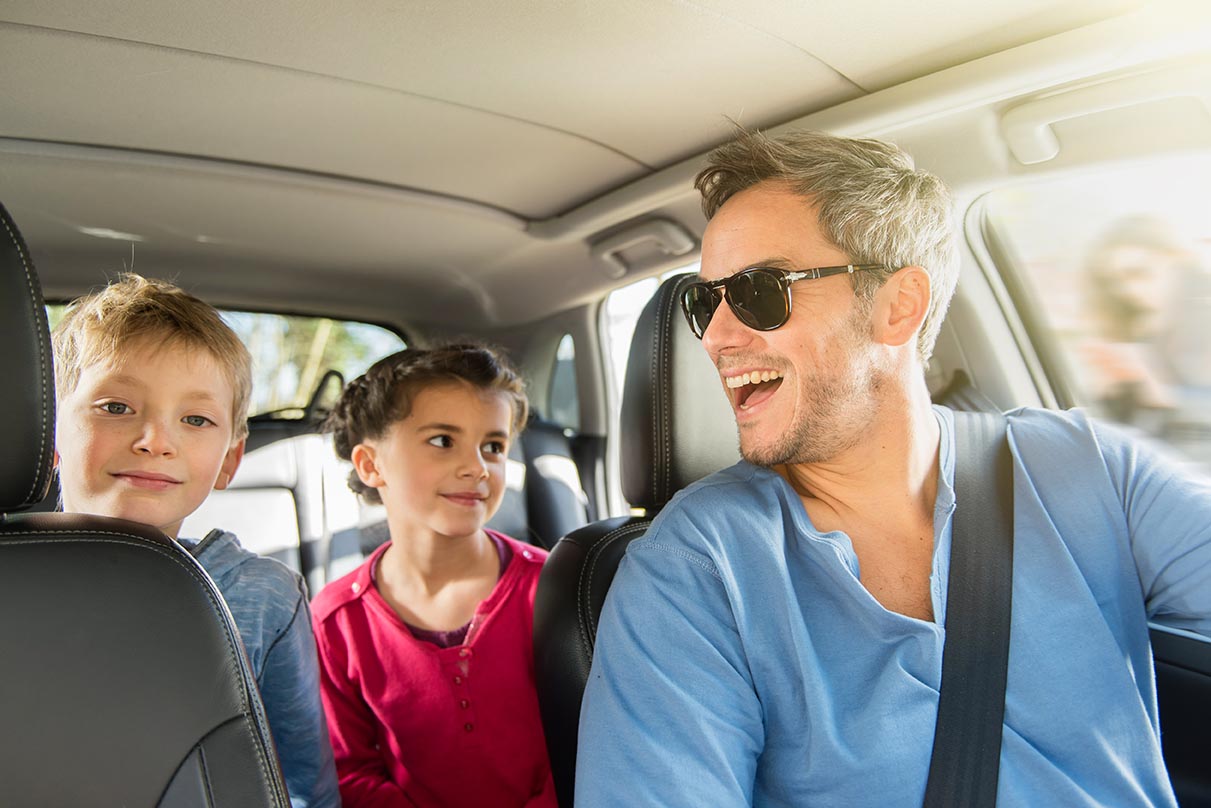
point(776, 638)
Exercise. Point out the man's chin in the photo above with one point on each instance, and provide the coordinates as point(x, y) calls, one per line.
point(762, 455)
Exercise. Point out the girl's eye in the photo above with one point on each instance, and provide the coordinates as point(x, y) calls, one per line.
point(496, 447)
point(441, 441)
point(115, 408)
point(197, 420)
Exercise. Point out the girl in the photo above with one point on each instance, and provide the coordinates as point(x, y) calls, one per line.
point(426, 649)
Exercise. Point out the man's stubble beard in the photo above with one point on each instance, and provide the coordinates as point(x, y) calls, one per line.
point(833, 413)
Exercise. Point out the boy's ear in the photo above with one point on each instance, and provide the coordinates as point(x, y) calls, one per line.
point(230, 463)
point(901, 305)
point(365, 463)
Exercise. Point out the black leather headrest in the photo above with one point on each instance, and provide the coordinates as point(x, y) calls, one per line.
point(27, 392)
point(677, 425)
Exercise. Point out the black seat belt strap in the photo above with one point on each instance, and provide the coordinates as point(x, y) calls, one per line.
point(975, 658)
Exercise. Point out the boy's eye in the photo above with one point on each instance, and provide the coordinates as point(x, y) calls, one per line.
point(441, 441)
point(115, 408)
point(496, 447)
point(197, 420)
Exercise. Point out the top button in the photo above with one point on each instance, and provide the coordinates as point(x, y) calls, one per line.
point(356, 587)
point(527, 554)
point(464, 653)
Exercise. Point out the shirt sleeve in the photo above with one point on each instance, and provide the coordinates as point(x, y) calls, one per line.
point(1167, 506)
point(670, 716)
point(291, 695)
point(364, 780)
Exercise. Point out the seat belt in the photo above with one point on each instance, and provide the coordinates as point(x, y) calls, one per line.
point(975, 657)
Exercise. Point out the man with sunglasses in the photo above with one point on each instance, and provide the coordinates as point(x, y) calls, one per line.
point(775, 639)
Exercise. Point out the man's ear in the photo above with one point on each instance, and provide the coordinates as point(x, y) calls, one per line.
point(901, 305)
point(231, 462)
point(365, 463)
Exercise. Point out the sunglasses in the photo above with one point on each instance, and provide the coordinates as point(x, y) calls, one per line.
point(760, 297)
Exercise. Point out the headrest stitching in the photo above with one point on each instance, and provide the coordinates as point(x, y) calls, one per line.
point(588, 573)
point(654, 375)
point(665, 324)
point(39, 316)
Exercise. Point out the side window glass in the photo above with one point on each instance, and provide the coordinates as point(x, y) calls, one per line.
point(618, 318)
point(1116, 266)
point(291, 354)
point(562, 395)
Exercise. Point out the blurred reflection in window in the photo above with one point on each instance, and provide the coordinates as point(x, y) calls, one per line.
point(1117, 265)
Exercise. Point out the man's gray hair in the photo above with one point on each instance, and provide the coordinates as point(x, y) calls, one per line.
point(872, 203)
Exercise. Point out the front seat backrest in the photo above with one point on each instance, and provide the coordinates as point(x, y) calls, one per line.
point(676, 427)
point(122, 679)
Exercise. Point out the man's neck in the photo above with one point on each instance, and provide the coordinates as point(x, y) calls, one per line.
point(891, 473)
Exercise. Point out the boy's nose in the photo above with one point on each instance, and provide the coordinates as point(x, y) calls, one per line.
point(155, 439)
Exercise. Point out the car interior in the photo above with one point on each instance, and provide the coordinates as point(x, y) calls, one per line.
point(522, 174)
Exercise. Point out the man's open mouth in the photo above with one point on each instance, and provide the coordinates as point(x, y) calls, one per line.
point(750, 389)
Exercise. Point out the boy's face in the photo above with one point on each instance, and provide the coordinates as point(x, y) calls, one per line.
point(147, 441)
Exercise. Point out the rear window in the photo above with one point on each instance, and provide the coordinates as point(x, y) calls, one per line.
point(291, 354)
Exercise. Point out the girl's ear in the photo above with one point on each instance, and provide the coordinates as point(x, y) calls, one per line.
point(365, 463)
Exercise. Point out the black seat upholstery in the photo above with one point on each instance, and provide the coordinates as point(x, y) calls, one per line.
point(551, 501)
point(676, 427)
point(122, 679)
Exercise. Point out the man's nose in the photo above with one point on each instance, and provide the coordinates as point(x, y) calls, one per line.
point(724, 331)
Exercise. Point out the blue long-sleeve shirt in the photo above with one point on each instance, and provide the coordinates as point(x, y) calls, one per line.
point(739, 660)
point(269, 604)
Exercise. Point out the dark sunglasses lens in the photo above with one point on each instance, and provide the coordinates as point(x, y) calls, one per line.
point(699, 302)
point(758, 298)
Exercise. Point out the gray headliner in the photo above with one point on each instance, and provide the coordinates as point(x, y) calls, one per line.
point(446, 164)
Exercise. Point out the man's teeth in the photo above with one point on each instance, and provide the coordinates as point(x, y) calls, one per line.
point(755, 377)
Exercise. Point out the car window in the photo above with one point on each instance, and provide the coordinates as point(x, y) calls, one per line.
point(618, 317)
point(1114, 277)
point(564, 401)
point(291, 354)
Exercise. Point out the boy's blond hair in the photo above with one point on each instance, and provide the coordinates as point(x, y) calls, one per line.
point(99, 327)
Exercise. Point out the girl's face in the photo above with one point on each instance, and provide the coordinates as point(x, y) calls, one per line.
point(441, 470)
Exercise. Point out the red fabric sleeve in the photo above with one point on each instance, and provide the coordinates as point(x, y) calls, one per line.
point(364, 780)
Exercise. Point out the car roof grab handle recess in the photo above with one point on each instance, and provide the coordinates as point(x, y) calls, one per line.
point(668, 238)
point(1027, 127)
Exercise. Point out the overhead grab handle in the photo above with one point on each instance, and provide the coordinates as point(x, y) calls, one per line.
point(668, 239)
point(1027, 127)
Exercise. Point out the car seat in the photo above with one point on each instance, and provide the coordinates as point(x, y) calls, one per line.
point(124, 680)
point(676, 427)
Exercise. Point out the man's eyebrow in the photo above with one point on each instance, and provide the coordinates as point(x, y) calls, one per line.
point(772, 263)
point(777, 262)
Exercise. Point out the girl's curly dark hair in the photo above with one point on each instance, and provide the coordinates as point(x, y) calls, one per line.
point(384, 394)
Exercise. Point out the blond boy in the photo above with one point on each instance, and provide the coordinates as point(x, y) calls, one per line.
point(152, 389)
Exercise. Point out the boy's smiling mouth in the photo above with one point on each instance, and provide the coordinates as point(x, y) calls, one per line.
point(149, 480)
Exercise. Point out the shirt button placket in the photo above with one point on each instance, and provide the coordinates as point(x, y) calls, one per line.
point(464, 701)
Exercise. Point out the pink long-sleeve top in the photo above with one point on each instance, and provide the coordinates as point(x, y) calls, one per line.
point(413, 724)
